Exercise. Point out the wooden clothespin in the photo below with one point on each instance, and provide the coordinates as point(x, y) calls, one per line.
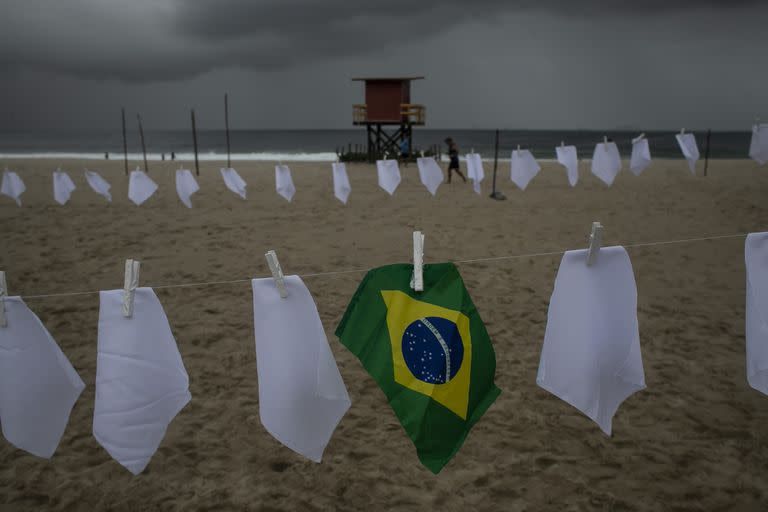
point(386, 154)
point(422, 153)
point(277, 273)
point(417, 281)
point(3, 295)
point(132, 268)
point(682, 131)
point(518, 148)
point(638, 138)
point(562, 143)
point(472, 150)
point(605, 142)
point(595, 239)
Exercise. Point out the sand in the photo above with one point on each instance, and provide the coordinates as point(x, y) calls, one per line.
point(696, 439)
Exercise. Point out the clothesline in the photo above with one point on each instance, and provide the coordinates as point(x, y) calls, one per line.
point(362, 270)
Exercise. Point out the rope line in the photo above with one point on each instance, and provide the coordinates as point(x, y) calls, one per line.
point(362, 270)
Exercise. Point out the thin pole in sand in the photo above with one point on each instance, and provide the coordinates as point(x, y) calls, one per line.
point(706, 152)
point(125, 145)
point(143, 147)
point(226, 124)
point(194, 140)
point(496, 195)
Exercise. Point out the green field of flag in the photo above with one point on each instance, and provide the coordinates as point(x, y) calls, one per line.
point(428, 351)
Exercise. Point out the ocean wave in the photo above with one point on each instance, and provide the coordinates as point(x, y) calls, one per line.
point(182, 157)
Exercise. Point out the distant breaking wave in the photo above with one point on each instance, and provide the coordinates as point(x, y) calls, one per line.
point(206, 157)
point(181, 157)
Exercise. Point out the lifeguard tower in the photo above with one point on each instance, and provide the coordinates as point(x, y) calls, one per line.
point(388, 103)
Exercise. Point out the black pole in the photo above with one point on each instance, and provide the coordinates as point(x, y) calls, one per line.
point(496, 195)
point(125, 145)
point(194, 140)
point(706, 152)
point(226, 122)
point(143, 147)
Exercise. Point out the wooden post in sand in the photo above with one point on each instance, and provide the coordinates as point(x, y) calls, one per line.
point(125, 145)
point(226, 124)
point(194, 141)
point(143, 147)
point(706, 152)
point(496, 195)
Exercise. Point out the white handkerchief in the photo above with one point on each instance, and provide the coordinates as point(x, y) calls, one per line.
point(568, 158)
point(301, 394)
point(690, 150)
point(140, 187)
point(341, 187)
point(756, 258)
point(758, 147)
point(284, 182)
point(591, 355)
point(523, 168)
point(12, 186)
point(430, 174)
point(641, 156)
point(141, 382)
point(38, 386)
point(98, 184)
point(389, 175)
point(62, 187)
point(233, 181)
point(475, 170)
point(606, 162)
point(186, 185)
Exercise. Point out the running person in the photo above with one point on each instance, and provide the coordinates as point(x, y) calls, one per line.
point(453, 154)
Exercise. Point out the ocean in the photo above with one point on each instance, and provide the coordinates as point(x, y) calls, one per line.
point(321, 145)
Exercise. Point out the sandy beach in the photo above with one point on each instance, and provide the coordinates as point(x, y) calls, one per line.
point(695, 439)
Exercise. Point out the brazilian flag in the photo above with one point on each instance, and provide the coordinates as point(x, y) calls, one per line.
point(428, 351)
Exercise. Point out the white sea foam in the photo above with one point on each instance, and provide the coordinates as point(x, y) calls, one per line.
point(182, 157)
point(211, 157)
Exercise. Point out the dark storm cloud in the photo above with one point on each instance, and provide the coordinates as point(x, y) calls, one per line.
point(162, 40)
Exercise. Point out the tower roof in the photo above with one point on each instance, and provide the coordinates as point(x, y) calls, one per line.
point(388, 79)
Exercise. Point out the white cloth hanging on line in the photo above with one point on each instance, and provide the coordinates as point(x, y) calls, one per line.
point(38, 385)
point(388, 174)
point(430, 174)
point(186, 185)
point(98, 184)
point(591, 355)
point(606, 162)
point(523, 168)
point(233, 181)
point(62, 186)
point(284, 182)
point(141, 382)
point(687, 142)
point(302, 396)
point(140, 187)
point(12, 186)
point(568, 158)
point(475, 170)
point(756, 260)
point(341, 186)
point(641, 156)
point(758, 146)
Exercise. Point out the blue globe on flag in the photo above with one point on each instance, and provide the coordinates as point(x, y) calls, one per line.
point(433, 349)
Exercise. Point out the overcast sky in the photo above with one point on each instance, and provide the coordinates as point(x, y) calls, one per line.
point(514, 64)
